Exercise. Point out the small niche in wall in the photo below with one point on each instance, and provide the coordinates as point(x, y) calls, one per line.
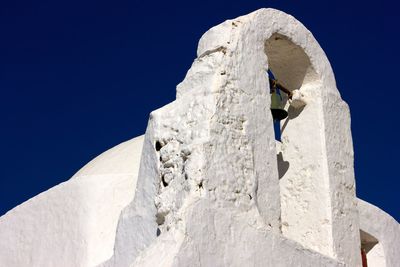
point(372, 253)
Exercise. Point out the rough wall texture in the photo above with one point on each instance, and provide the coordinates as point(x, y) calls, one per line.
point(227, 237)
point(214, 188)
point(215, 144)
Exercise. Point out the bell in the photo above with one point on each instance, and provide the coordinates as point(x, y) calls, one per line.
point(278, 113)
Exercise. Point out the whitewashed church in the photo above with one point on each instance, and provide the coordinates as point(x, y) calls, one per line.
point(251, 165)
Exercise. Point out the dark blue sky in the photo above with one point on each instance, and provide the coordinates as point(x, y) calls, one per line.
point(78, 77)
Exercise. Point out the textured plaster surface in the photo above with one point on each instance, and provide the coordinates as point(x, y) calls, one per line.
point(208, 185)
point(215, 144)
point(74, 223)
point(304, 184)
point(227, 237)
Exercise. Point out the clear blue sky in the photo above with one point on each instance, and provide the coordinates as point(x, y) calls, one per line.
point(78, 77)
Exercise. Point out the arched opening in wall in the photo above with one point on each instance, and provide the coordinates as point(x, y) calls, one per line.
point(291, 68)
point(305, 199)
point(290, 64)
point(372, 253)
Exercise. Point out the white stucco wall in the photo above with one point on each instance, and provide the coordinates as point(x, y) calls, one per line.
point(215, 144)
point(204, 187)
point(376, 256)
point(385, 229)
point(304, 182)
point(74, 223)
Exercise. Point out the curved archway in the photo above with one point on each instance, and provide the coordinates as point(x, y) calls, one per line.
point(321, 131)
point(289, 62)
point(304, 193)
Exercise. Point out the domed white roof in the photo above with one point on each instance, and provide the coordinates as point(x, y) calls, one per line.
point(73, 223)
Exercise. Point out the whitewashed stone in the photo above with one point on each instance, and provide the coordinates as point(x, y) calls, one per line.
point(214, 187)
point(385, 229)
point(73, 223)
point(221, 117)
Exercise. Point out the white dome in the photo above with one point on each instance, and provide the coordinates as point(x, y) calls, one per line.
point(73, 223)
